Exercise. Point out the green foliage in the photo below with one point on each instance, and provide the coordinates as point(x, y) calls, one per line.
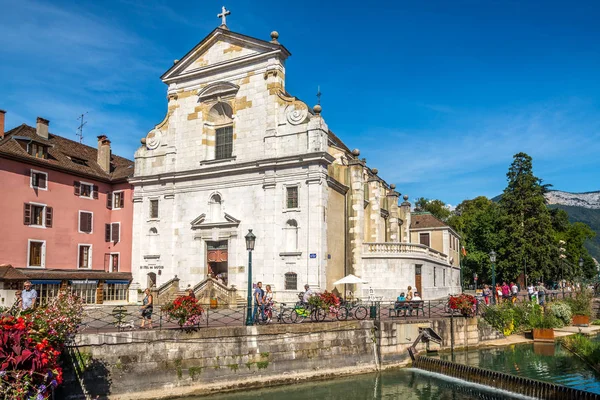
point(584, 347)
point(591, 218)
point(436, 207)
point(595, 322)
point(581, 303)
point(522, 230)
point(262, 364)
point(511, 318)
point(562, 311)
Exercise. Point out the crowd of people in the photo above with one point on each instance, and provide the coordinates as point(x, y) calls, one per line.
point(509, 292)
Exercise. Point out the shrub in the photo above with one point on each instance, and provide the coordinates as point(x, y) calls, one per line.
point(581, 304)
point(185, 310)
point(31, 342)
point(501, 317)
point(540, 319)
point(562, 311)
point(326, 301)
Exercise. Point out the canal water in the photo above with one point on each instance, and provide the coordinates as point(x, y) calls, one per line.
point(548, 362)
point(543, 361)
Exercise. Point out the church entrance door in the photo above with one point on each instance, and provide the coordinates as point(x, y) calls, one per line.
point(216, 259)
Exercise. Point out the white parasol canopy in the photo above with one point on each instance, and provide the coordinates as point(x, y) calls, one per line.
point(349, 280)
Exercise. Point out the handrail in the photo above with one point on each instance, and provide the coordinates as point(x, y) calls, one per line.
point(403, 248)
point(165, 286)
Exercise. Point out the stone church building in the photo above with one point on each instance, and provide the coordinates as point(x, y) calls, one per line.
point(235, 151)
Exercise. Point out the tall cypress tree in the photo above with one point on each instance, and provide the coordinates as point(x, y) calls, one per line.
point(526, 233)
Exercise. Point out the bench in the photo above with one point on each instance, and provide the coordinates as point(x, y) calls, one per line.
point(410, 306)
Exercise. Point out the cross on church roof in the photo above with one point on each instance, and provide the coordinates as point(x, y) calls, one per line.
point(223, 16)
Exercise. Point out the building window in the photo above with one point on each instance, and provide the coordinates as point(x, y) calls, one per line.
point(85, 222)
point(291, 281)
point(154, 209)
point(38, 150)
point(418, 268)
point(113, 262)
point(85, 256)
point(224, 143)
point(85, 290)
point(39, 180)
point(85, 190)
point(291, 236)
point(118, 200)
point(112, 232)
point(115, 291)
point(291, 197)
point(424, 239)
point(38, 215)
point(36, 253)
point(434, 276)
point(46, 291)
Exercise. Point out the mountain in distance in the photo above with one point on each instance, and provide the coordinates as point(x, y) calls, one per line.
point(581, 207)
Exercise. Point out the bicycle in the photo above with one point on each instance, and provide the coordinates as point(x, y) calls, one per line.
point(359, 312)
point(284, 315)
point(302, 311)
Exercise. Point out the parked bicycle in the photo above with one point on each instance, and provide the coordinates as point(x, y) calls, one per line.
point(357, 311)
point(303, 311)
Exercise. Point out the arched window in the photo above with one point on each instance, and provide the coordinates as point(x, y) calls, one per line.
point(216, 211)
point(221, 116)
point(291, 236)
point(153, 240)
point(291, 281)
point(153, 231)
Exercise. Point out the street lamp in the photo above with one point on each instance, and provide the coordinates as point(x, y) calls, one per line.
point(561, 257)
point(493, 260)
point(250, 241)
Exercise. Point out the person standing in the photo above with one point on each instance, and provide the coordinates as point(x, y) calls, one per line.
point(487, 292)
point(498, 293)
point(541, 294)
point(191, 293)
point(268, 302)
point(258, 301)
point(514, 291)
point(505, 291)
point(530, 290)
point(29, 296)
point(18, 304)
point(146, 310)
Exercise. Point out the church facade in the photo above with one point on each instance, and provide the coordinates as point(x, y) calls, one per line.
point(235, 152)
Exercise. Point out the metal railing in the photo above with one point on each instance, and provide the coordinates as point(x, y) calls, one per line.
point(396, 248)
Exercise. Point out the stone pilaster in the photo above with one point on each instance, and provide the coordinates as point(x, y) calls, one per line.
point(375, 229)
point(356, 214)
point(393, 220)
point(405, 216)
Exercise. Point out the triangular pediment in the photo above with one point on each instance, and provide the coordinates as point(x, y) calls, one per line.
point(222, 49)
point(201, 223)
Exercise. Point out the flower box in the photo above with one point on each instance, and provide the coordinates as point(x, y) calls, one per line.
point(543, 335)
point(581, 320)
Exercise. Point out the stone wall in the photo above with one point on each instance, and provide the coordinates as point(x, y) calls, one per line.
point(159, 364)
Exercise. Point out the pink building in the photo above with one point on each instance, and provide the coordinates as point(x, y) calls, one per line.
point(65, 216)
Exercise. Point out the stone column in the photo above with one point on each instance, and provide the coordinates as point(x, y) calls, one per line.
point(393, 225)
point(405, 216)
point(375, 229)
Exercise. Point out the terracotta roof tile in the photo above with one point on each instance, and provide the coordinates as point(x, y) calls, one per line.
point(60, 151)
point(425, 220)
point(7, 272)
point(72, 274)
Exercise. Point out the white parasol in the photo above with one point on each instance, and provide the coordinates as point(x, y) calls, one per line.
point(350, 279)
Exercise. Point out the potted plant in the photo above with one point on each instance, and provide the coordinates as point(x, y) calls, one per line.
point(464, 303)
point(542, 325)
point(581, 307)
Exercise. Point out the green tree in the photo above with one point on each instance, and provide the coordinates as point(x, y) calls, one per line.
point(526, 233)
point(477, 222)
point(436, 207)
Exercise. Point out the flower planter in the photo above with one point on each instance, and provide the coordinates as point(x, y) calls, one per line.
point(581, 320)
point(543, 335)
point(213, 303)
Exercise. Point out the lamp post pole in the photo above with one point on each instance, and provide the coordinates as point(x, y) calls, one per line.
point(562, 265)
point(493, 260)
point(250, 240)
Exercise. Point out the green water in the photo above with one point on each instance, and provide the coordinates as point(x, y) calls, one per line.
point(547, 362)
point(404, 384)
point(543, 361)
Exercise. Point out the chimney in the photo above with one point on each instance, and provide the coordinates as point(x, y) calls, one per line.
point(42, 127)
point(104, 153)
point(2, 112)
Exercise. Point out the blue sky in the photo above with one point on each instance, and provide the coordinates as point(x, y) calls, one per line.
point(438, 95)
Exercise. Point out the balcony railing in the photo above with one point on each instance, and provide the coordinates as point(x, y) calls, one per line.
point(400, 249)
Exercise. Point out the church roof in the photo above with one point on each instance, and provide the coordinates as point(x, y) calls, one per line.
point(61, 153)
point(214, 36)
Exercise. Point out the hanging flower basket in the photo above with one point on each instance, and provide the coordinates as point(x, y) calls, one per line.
point(185, 311)
point(464, 303)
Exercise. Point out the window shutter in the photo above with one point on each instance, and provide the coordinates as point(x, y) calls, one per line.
point(48, 217)
point(27, 214)
point(88, 224)
point(122, 200)
point(115, 233)
point(82, 222)
point(76, 187)
point(95, 192)
point(109, 200)
point(107, 232)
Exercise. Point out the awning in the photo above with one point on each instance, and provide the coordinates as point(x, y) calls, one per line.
point(114, 282)
point(84, 282)
point(45, 282)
